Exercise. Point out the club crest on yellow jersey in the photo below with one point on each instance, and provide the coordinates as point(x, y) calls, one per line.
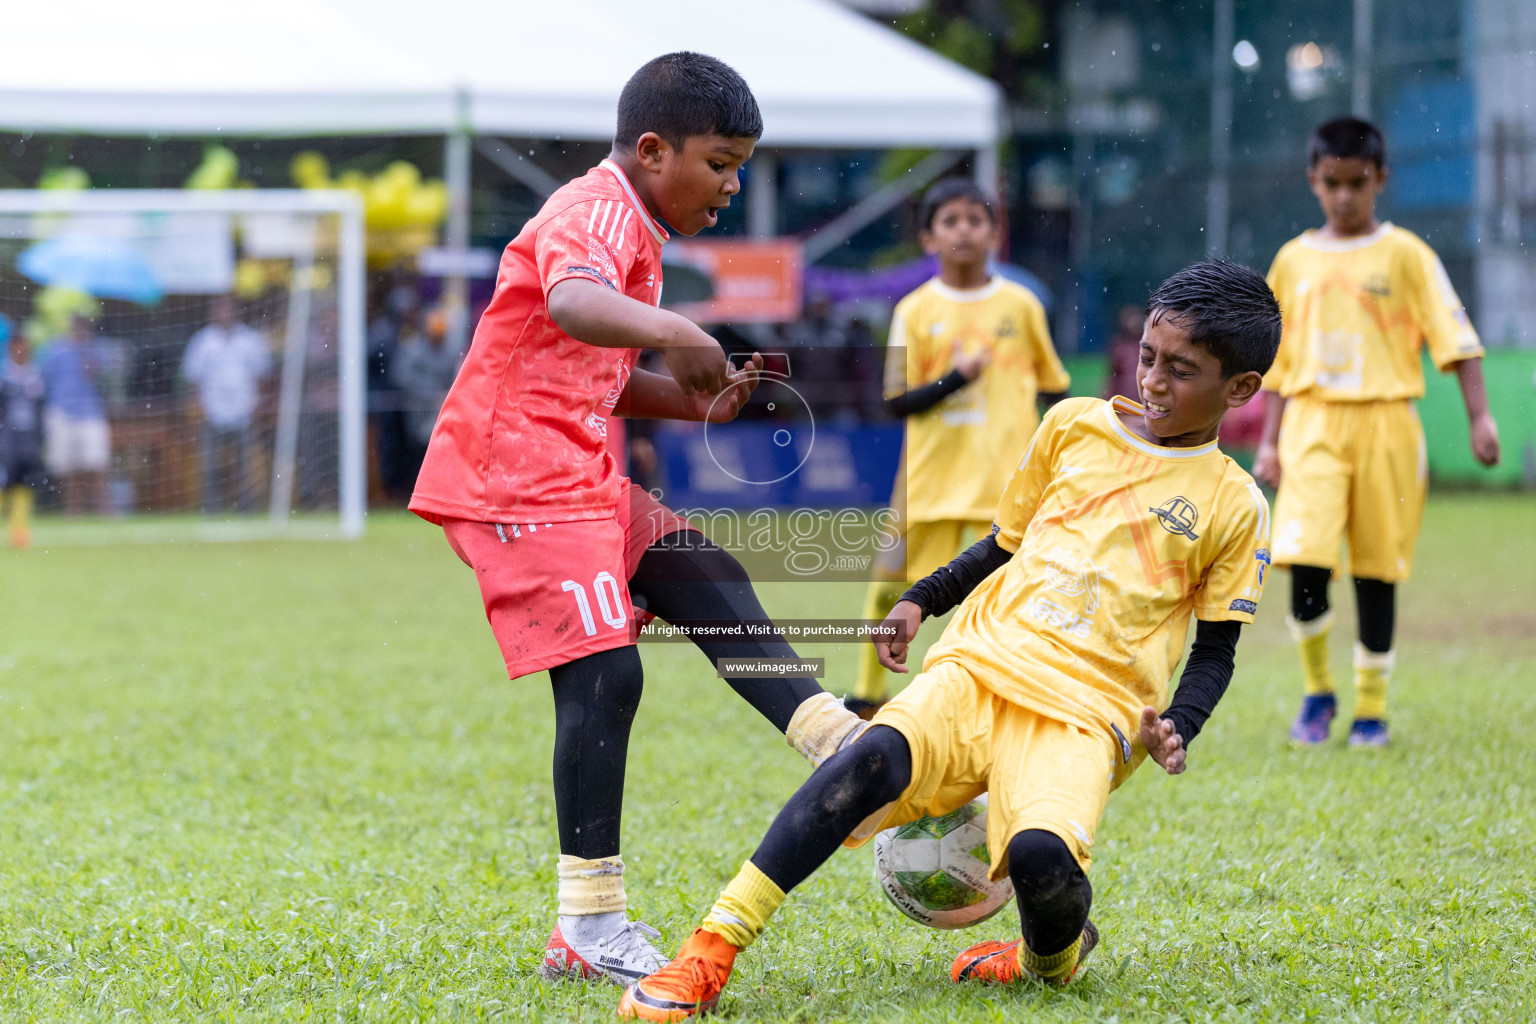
point(1178, 515)
point(1378, 284)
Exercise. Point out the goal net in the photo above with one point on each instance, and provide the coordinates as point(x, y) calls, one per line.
point(203, 360)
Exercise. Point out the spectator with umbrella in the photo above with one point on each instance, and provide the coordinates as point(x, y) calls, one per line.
point(109, 268)
point(79, 440)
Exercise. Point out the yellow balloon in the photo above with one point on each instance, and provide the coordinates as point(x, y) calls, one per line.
point(428, 205)
point(402, 171)
point(250, 278)
point(68, 178)
point(53, 307)
point(219, 169)
point(385, 201)
point(310, 169)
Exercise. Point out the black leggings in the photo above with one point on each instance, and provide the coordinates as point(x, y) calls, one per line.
point(685, 577)
point(1375, 603)
point(596, 696)
point(1053, 893)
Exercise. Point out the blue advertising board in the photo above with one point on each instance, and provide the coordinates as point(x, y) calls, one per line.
point(776, 464)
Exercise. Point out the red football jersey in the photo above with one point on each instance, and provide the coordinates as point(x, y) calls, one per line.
point(521, 436)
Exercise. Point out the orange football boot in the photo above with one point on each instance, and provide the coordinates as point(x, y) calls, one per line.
point(999, 961)
point(688, 986)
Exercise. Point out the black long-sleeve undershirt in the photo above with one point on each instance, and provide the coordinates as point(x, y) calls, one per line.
point(921, 399)
point(925, 397)
point(1206, 674)
point(950, 584)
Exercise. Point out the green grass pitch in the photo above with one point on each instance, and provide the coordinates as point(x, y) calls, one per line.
point(289, 781)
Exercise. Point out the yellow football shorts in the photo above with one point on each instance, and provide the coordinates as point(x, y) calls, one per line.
point(966, 740)
point(1352, 471)
point(927, 546)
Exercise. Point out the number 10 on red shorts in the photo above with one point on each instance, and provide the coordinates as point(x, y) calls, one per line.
point(553, 592)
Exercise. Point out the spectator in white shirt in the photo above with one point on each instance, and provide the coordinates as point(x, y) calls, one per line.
point(226, 362)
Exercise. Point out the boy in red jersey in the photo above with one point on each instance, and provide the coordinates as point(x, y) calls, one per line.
point(519, 476)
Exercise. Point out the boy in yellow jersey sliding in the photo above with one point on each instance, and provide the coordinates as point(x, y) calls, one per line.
point(969, 354)
point(1341, 438)
point(1044, 691)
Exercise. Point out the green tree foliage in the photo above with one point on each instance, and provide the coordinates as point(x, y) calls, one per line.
point(1006, 40)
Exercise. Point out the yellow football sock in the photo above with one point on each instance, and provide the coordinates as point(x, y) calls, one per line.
point(1053, 967)
point(878, 602)
point(821, 726)
point(1372, 674)
point(1312, 643)
point(742, 911)
point(21, 514)
point(591, 886)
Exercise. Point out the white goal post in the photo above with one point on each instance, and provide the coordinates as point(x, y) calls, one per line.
point(316, 241)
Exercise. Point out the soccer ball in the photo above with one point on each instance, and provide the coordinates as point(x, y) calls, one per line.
point(935, 869)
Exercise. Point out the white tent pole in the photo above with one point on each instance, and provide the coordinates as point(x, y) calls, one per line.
point(1218, 193)
point(350, 298)
point(763, 196)
point(290, 394)
point(989, 170)
point(1360, 87)
point(456, 170)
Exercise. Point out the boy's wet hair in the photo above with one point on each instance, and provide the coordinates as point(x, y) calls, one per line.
point(1227, 309)
point(947, 190)
point(1346, 137)
point(682, 95)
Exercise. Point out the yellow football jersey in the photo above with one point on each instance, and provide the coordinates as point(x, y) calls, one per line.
point(959, 453)
point(1116, 543)
point(1356, 312)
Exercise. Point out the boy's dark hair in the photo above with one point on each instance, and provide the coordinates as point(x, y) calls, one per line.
point(681, 95)
point(1346, 137)
point(947, 190)
point(1227, 309)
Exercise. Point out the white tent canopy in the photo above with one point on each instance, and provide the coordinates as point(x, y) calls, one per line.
point(190, 67)
point(824, 76)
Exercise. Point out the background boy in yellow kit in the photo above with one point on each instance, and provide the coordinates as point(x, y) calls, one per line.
point(1342, 440)
point(969, 354)
point(1121, 522)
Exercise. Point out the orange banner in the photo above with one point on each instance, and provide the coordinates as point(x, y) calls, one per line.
point(757, 280)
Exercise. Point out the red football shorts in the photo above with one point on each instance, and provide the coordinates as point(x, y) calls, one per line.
point(555, 592)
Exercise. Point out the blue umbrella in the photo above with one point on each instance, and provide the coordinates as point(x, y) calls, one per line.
point(110, 268)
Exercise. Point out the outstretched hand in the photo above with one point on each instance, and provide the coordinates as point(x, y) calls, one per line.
point(698, 364)
point(906, 617)
point(1266, 465)
point(970, 366)
point(1485, 440)
point(739, 385)
point(1164, 745)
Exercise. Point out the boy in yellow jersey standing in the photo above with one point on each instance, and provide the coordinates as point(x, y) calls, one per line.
point(969, 354)
point(1050, 683)
point(1341, 438)
point(23, 395)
